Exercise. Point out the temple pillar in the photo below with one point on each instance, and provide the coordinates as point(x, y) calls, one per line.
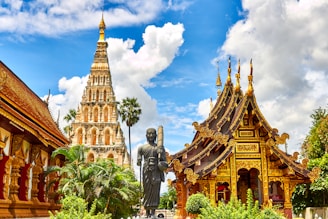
point(233, 176)
point(181, 212)
point(17, 163)
point(212, 191)
point(264, 174)
point(5, 164)
point(36, 171)
point(287, 204)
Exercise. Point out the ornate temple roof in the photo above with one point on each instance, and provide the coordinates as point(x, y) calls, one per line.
point(22, 108)
point(214, 140)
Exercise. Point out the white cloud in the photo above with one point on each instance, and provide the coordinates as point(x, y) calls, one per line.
point(287, 41)
point(60, 104)
point(56, 17)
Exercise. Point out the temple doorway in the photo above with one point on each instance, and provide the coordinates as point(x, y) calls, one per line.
point(249, 179)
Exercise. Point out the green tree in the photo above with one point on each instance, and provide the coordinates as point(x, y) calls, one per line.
point(315, 149)
point(68, 118)
point(130, 111)
point(316, 141)
point(114, 188)
point(168, 199)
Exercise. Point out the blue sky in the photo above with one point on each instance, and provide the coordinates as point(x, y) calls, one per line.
point(165, 53)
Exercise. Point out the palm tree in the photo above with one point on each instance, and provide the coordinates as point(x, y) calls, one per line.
point(68, 118)
point(130, 111)
point(114, 188)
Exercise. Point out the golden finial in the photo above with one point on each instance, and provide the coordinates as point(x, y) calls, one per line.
point(218, 79)
point(211, 105)
point(250, 81)
point(229, 72)
point(102, 27)
point(238, 78)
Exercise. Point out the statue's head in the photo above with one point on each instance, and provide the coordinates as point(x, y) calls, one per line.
point(151, 135)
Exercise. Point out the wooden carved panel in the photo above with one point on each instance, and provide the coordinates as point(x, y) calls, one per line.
point(246, 133)
point(248, 164)
point(251, 147)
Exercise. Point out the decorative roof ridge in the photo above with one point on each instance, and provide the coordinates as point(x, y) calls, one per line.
point(220, 102)
point(240, 109)
point(188, 147)
point(229, 109)
point(297, 167)
point(218, 161)
point(200, 155)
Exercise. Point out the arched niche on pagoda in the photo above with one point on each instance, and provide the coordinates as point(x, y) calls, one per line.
point(85, 114)
point(79, 133)
point(107, 136)
point(95, 114)
point(90, 157)
point(105, 114)
point(94, 132)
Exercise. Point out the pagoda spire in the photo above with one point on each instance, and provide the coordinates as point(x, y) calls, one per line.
point(237, 88)
point(229, 73)
point(250, 89)
point(102, 27)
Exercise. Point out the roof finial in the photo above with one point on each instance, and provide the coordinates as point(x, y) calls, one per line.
point(102, 27)
point(229, 73)
point(238, 78)
point(218, 79)
point(251, 64)
point(211, 105)
point(250, 81)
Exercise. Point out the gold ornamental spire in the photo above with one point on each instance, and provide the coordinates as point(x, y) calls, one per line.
point(238, 78)
point(218, 83)
point(102, 27)
point(250, 81)
point(229, 73)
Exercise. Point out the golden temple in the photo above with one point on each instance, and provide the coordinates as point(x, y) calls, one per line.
point(234, 149)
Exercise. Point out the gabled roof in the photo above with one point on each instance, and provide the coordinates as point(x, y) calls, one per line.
point(20, 105)
point(213, 142)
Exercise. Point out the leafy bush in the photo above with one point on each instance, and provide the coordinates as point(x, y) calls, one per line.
point(196, 202)
point(75, 207)
point(234, 209)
